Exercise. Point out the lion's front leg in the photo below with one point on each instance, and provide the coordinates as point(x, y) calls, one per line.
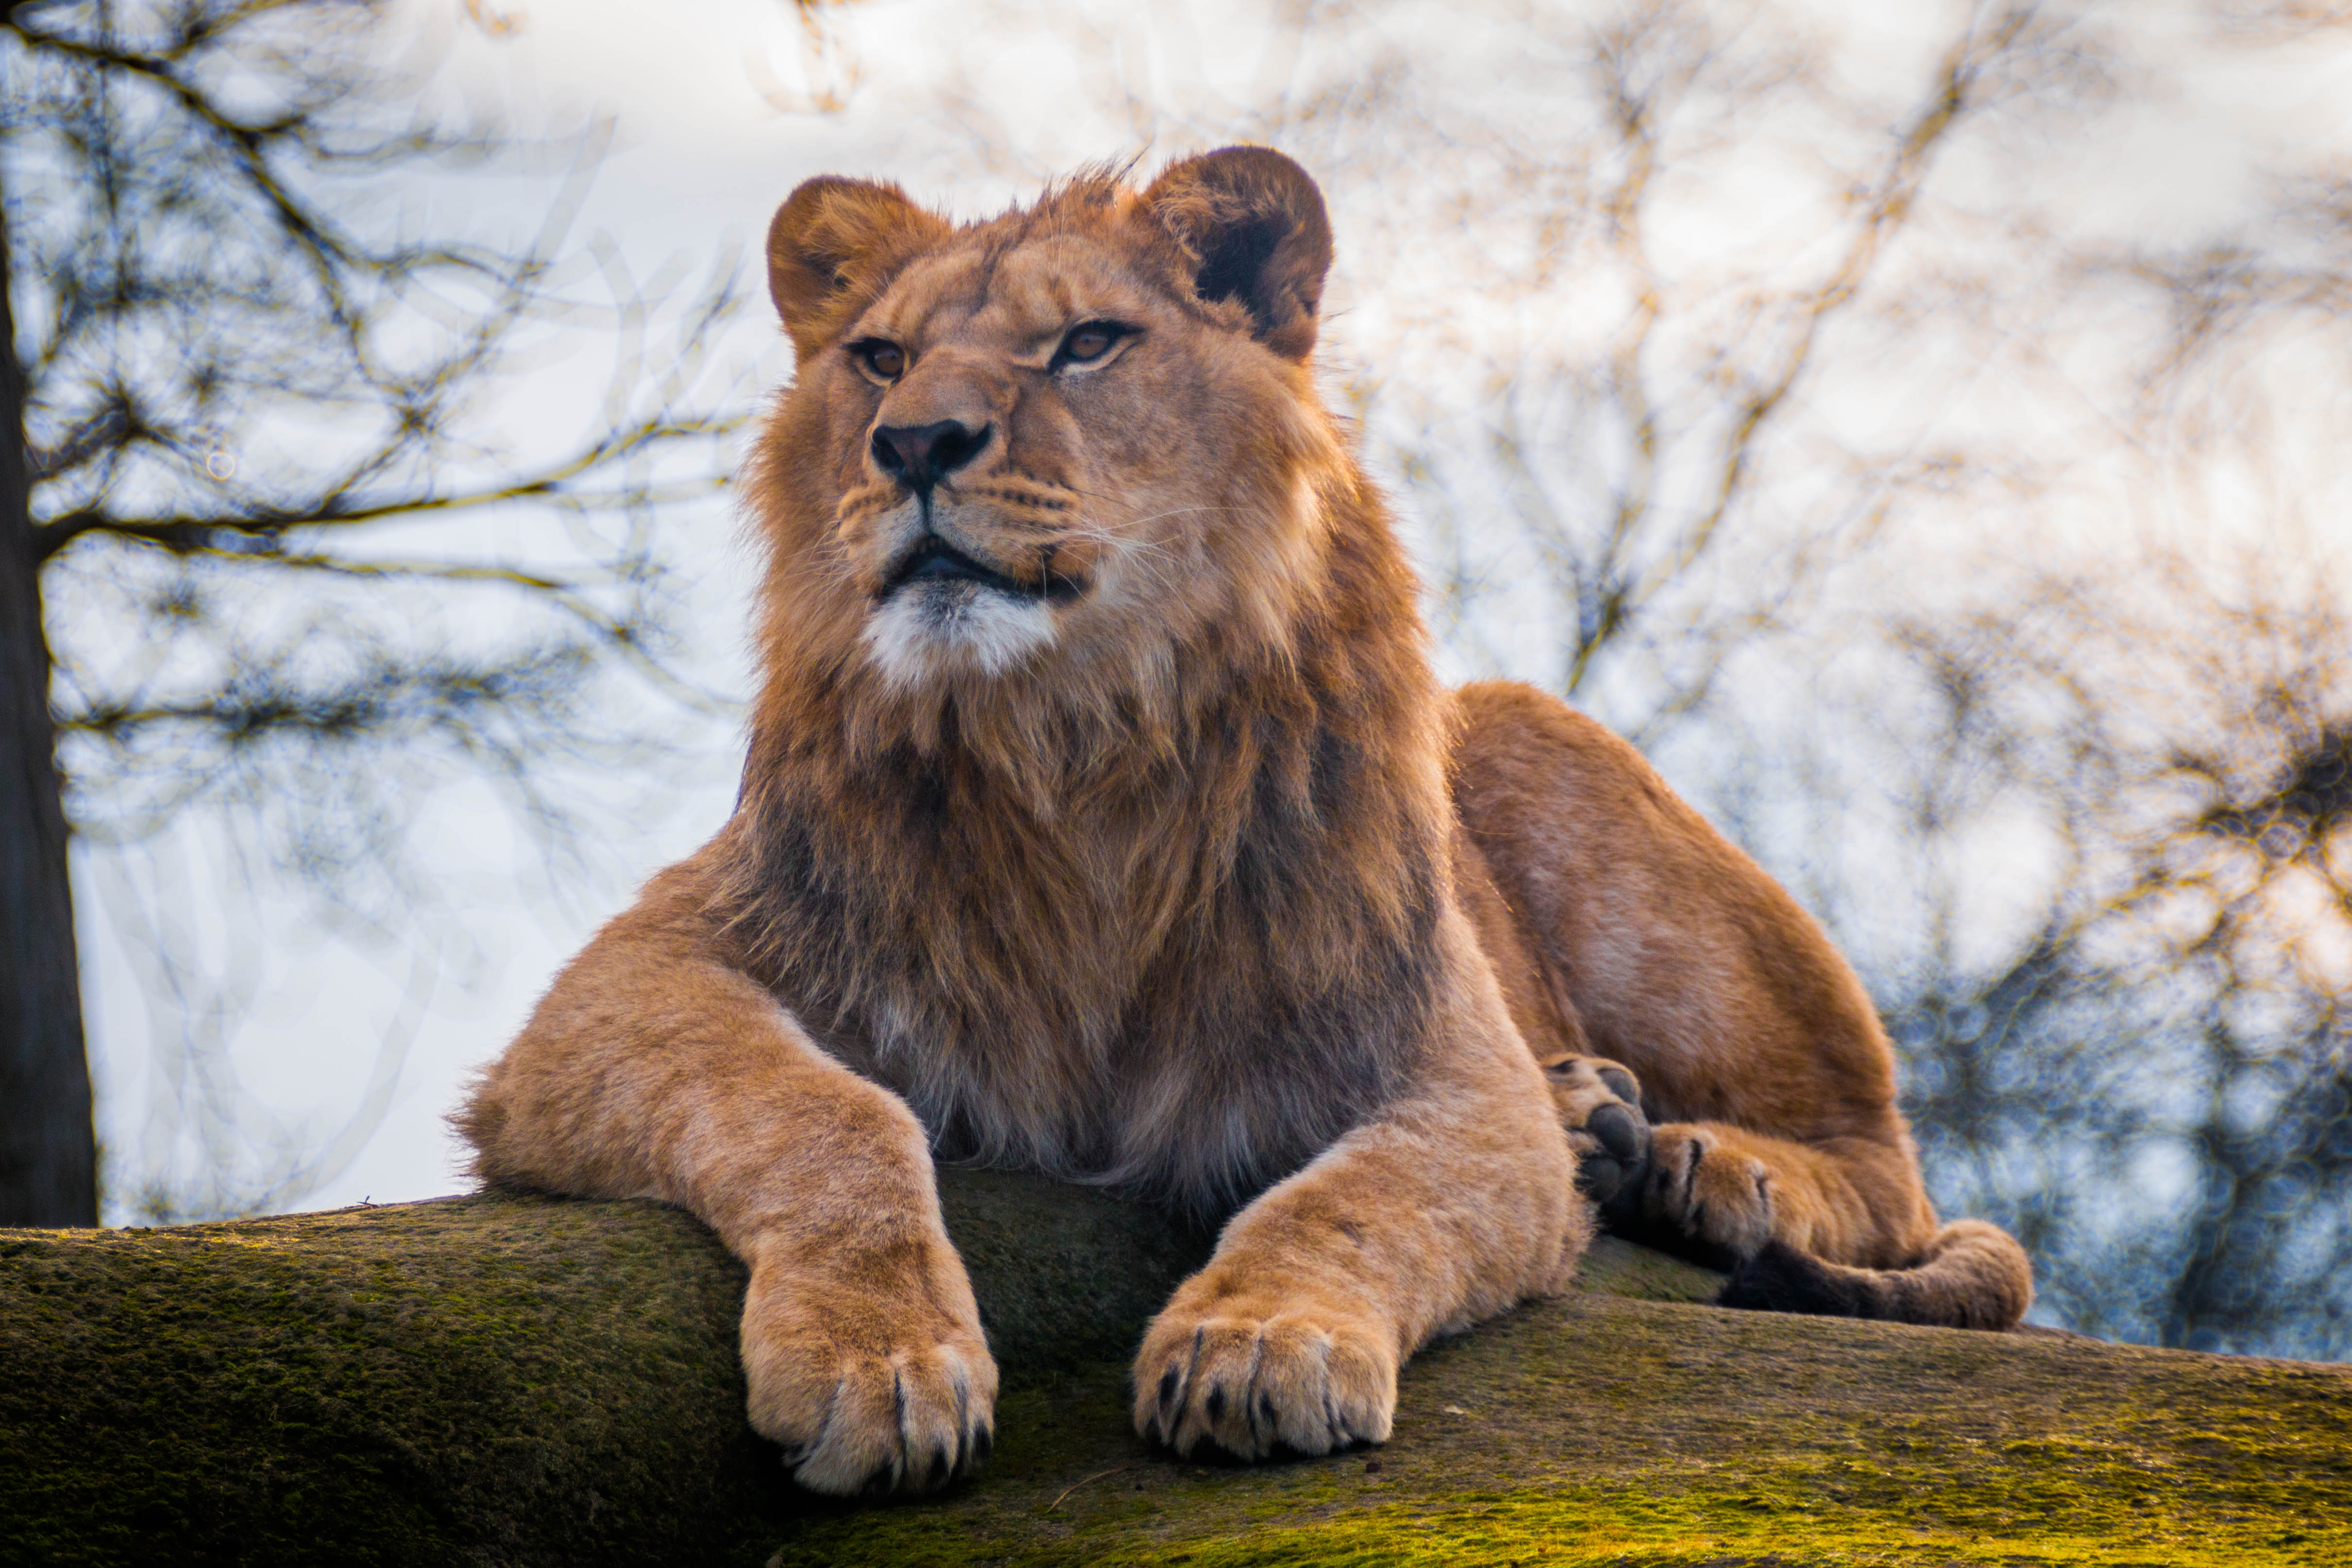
point(655, 1069)
point(1450, 1206)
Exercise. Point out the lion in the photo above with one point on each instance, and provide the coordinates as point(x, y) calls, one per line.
point(1102, 816)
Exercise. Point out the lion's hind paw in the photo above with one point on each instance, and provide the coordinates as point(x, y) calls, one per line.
point(1600, 1104)
point(1707, 1187)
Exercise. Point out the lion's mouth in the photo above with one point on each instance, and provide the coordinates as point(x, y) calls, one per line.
point(934, 559)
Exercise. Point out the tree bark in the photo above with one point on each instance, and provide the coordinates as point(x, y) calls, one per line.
point(48, 1147)
point(504, 1380)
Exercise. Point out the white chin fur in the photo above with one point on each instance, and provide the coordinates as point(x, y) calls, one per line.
point(927, 629)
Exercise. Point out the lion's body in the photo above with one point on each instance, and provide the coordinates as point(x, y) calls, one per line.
point(1102, 818)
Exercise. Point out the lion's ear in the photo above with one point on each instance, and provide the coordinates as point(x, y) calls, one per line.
point(832, 245)
point(1251, 225)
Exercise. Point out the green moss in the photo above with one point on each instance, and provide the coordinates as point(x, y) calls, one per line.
point(1761, 1441)
point(504, 1380)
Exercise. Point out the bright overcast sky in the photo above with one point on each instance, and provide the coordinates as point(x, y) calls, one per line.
point(720, 107)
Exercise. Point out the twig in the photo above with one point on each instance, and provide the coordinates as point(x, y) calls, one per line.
point(1077, 1484)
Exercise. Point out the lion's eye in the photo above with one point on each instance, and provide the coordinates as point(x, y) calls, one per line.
point(883, 360)
point(1089, 342)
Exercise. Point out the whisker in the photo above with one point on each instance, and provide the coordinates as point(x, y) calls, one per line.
point(1180, 511)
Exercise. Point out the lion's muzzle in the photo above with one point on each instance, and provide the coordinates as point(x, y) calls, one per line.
point(931, 559)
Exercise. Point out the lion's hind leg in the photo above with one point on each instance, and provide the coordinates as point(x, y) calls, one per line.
point(1726, 1192)
point(1971, 1275)
point(1793, 1224)
point(1722, 1192)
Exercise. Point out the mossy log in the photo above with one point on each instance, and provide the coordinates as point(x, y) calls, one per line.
point(510, 1380)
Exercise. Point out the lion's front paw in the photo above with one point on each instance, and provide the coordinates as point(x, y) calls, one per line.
point(1600, 1104)
point(866, 1393)
point(1708, 1192)
point(1253, 1375)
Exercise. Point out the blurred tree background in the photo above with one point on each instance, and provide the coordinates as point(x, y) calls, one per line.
point(261, 488)
point(1919, 430)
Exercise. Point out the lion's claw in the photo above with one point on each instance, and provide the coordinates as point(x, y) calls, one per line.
point(885, 1396)
point(1718, 1198)
point(1252, 1379)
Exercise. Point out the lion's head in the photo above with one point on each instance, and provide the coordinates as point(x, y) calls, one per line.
point(1076, 437)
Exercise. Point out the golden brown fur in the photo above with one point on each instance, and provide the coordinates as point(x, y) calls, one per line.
point(1627, 929)
point(1098, 821)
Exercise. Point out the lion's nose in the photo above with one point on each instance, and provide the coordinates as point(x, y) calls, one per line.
point(919, 455)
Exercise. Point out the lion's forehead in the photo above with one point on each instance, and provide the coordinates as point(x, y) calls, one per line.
point(1016, 299)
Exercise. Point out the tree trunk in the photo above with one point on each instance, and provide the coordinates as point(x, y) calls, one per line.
point(503, 1380)
point(48, 1151)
